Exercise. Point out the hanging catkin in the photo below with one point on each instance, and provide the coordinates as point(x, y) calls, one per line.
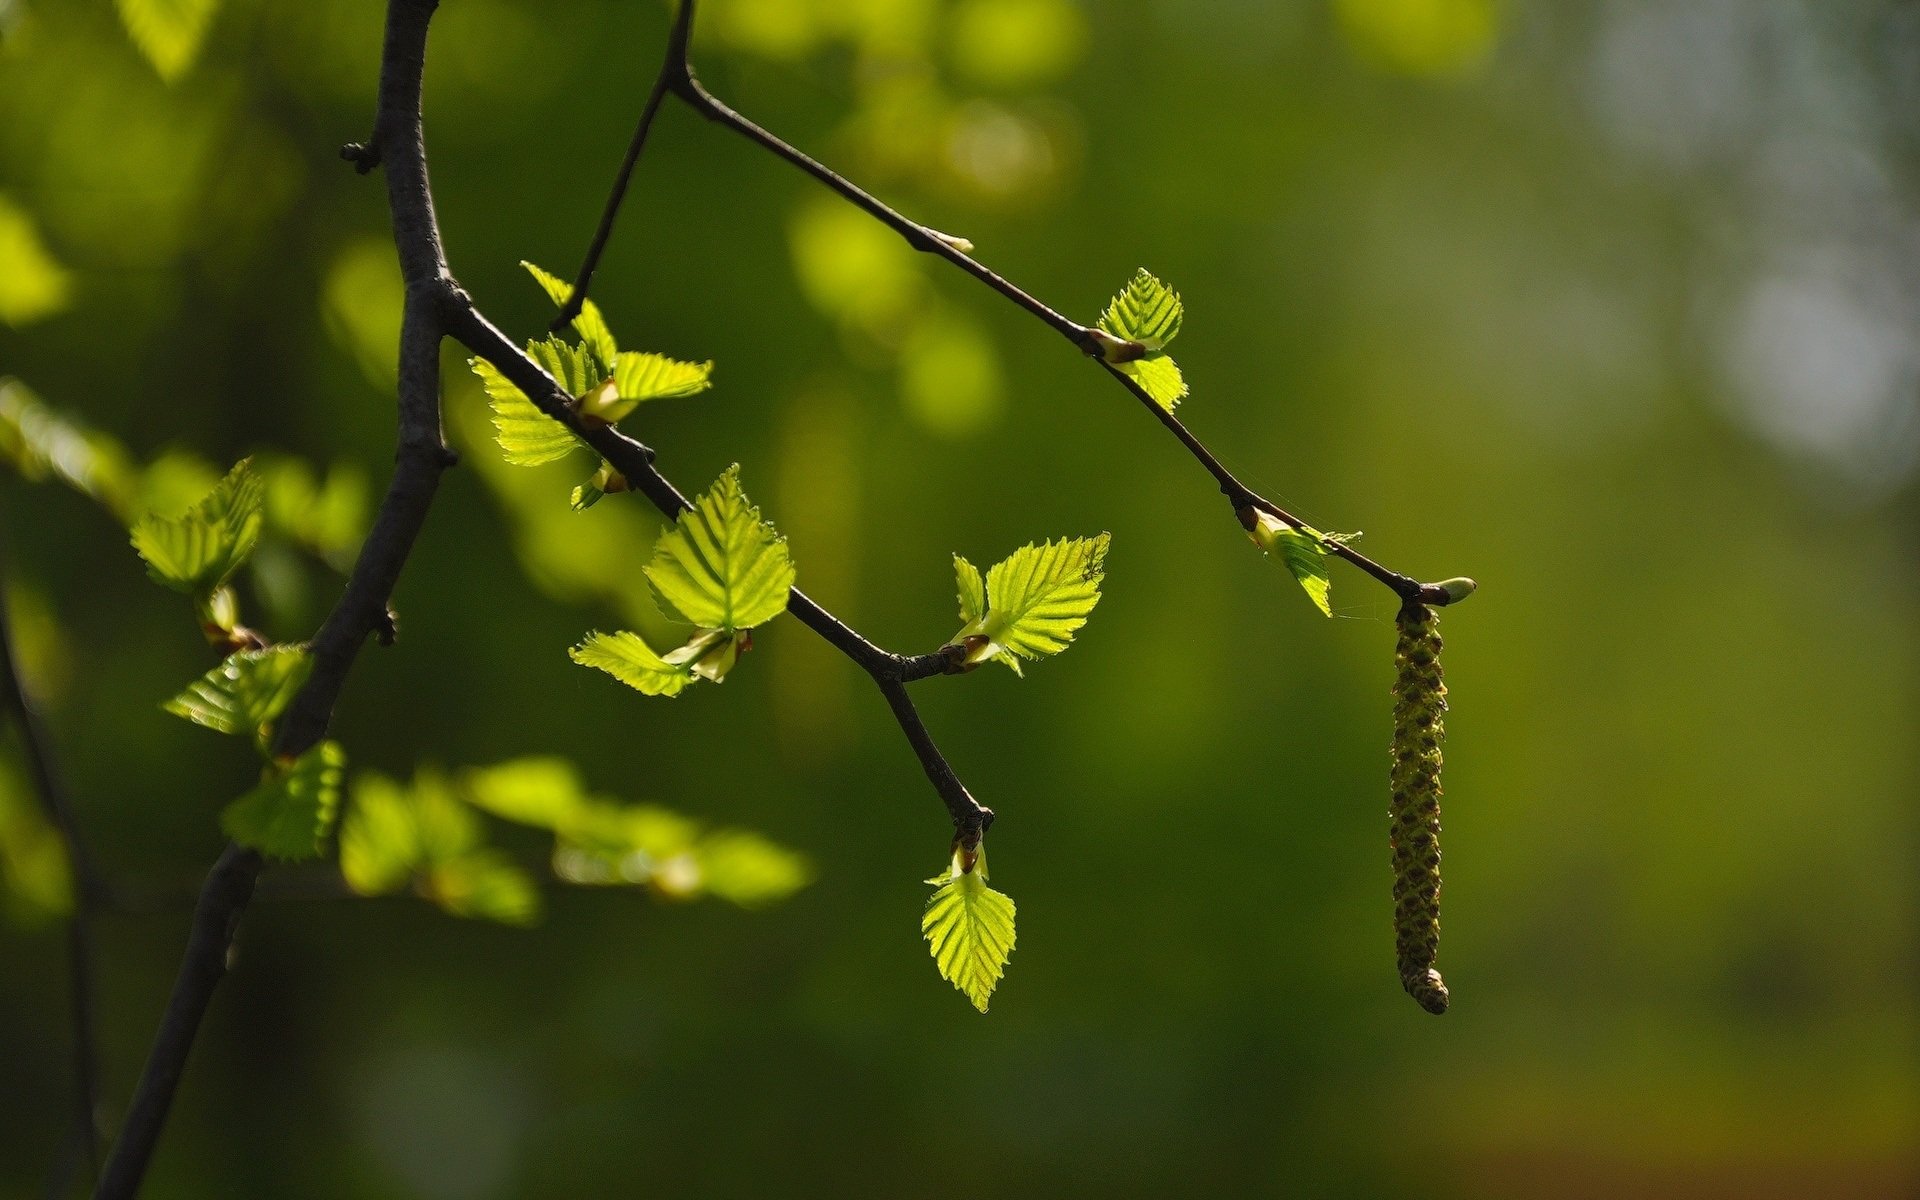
point(1419, 710)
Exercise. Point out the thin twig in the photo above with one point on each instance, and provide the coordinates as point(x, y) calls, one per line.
point(677, 77)
point(674, 65)
point(87, 888)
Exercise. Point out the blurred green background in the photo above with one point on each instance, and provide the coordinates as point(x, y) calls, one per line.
point(1613, 306)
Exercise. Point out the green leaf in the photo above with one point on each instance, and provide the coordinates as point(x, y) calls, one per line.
point(527, 436)
point(542, 792)
point(973, 591)
point(484, 885)
point(168, 32)
point(721, 566)
point(1035, 599)
point(628, 658)
point(195, 553)
point(641, 377)
point(379, 841)
point(746, 869)
point(1148, 312)
point(42, 442)
point(33, 284)
point(1159, 378)
point(969, 928)
point(1304, 551)
point(289, 814)
point(571, 366)
point(1145, 311)
point(246, 691)
point(590, 325)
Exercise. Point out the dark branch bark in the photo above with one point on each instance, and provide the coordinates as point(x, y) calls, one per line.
point(436, 307)
point(361, 611)
point(88, 890)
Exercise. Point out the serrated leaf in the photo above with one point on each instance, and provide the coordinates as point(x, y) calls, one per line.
point(1304, 551)
point(196, 552)
point(1145, 311)
point(246, 691)
point(973, 590)
point(571, 366)
point(641, 377)
point(484, 885)
point(542, 792)
point(1159, 378)
point(721, 566)
point(969, 928)
point(527, 436)
point(592, 327)
point(628, 658)
point(1306, 556)
point(168, 32)
point(289, 814)
point(1040, 595)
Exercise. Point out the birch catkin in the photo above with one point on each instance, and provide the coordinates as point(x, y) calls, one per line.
point(1419, 710)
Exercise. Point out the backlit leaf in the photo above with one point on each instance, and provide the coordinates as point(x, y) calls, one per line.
point(289, 814)
point(196, 552)
point(969, 928)
point(246, 691)
point(590, 324)
point(1145, 311)
point(627, 657)
point(721, 566)
point(168, 32)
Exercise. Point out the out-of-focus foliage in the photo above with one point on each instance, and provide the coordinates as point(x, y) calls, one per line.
point(33, 284)
point(1608, 304)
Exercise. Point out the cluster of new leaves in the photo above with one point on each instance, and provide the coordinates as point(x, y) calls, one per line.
point(428, 837)
point(292, 810)
point(1031, 603)
point(605, 382)
point(721, 570)
point(1139, 323)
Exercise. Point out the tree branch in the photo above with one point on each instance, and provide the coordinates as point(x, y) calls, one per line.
point(677, 76)
point(422, 455)
point(88, 889)
point(436, 307)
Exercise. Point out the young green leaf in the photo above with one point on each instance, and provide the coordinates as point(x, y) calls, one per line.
point(542, 792)
point(1304, 551)
point(168, 32)
point(641, 377)
point(1145, 311)
point(527, 436)
point(969, 928)
point(748, 870)
point(590, 325)
point(246, 691)
point(484, 885)
point(289, 814)
point(628, 658)
point(1032, 602)
point(41, 442)
point(196, 552)
point(379, 841)
point(721, 566)
point(973, 590)
point(1159, 378)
